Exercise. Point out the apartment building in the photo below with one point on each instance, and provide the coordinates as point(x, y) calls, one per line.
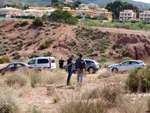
point(38, 11)
point(11, 11)
point(68, 2)
point(145, 15)
point(127, 15)
point(102, 13)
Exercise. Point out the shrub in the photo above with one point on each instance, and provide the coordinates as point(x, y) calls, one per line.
point(105, 75)
point(38, 22)
point(82, 107)
point(138, 80)
point(56, 76)
point(35, 78)
point(102, 59)
point(126, 58)
point(24, 23)
point(110, 94)
point(43, 46)
point(56, 99)
point(16, 56)
point(61, 16)
point(16, 78)
point(148, 104)
point(47, 54)
point(33, 109)
point(92, 94)
point(4, 60)
point(8, 103)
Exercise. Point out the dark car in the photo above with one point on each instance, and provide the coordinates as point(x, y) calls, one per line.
point(13, 67)
point(91, 66)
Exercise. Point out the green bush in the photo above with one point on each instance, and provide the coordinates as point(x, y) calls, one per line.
point(24, 23)
point(138, 80)
point(38, 22)
point(126, 58)
point(43, 46)
point(16, 55)
point(61, 16)
point(4, 60)
point(102, 59)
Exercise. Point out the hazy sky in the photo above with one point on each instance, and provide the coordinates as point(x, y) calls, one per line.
point(147, 1)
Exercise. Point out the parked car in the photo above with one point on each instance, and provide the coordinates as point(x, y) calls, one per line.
point(43, 62)
point(126, 66)
point(13, 67)
point(91, 66)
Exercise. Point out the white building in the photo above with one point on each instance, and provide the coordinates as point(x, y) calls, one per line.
point(127, 15)
point(11, 11)
point(93, 6)
point(145, 15)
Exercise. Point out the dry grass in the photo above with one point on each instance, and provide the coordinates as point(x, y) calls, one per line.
point(106, 74)
point(92, 94)
point(8, 103)
point(53, 77)
point(16, 78)
point(82, 107)
point(128, 104)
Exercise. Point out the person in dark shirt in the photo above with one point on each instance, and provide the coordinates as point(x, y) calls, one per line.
point(61, 63)
point(70, 68)
point(80, 66)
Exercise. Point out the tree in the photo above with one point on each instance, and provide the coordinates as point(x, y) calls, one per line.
point(118, 6)
point(77, 3)
point(38, 22)
point(54, 1)
point(61, 16)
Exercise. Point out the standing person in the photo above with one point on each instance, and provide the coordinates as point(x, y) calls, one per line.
point(80, 66)
point(70, 68)
point(61, 63)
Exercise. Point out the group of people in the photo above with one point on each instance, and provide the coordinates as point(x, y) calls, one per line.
point(80, 65)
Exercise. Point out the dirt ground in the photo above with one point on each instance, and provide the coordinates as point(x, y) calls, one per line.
point(38, 96)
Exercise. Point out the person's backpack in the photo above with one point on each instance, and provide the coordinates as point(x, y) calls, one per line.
point(82, 64)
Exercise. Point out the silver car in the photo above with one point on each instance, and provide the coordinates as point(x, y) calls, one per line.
point(126, 66)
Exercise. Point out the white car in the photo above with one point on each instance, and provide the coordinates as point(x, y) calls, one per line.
point(43, 62)
point(126, 66)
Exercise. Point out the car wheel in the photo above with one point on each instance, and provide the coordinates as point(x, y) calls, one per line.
point(115, 70)
point(91, 70)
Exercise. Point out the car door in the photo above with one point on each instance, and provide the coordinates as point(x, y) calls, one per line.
point(53, 64)
point(125, 66)
point(11, 67)
point(134, 64)
point(32, 63)
point(42, 63)
point(20, 66)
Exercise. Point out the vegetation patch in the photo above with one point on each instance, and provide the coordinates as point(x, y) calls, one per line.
point(138, 80)
point(4, 60)
point(102, 59)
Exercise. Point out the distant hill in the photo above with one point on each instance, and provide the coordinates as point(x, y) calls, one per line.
point(141, 5)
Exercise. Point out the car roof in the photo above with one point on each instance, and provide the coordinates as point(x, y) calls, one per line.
point(44, 58)
point(90, 60)
point(134, 60)
point(18, 63)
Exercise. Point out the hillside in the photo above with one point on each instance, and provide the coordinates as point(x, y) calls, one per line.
point(61, 40)
point(141, 5)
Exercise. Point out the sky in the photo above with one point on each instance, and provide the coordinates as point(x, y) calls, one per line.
point(146, 1)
